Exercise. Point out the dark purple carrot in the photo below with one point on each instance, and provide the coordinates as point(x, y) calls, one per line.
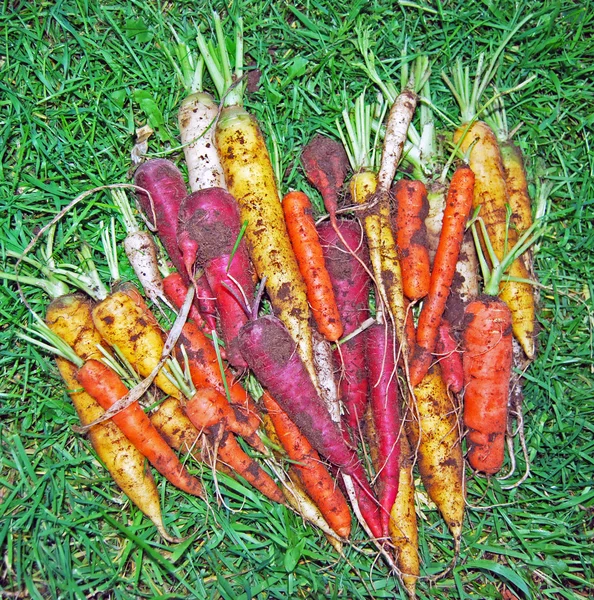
point(381, 361)
point(208, 235)
point(271, 354)
point(167, 188)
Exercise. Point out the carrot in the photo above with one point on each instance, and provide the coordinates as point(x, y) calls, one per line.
point(103, 384)
point(326, 163)
point(230, 452)
point(270, 353)
point(308, 251)
point(315, 478)
point(196, 118)
point(350, 283)
point(209, 235)
point(457, 211)
point(404, 533)
point(478, 140)
point(208, 407)
point(375, 214)
point(432, 426)
point(134, 330)
point(381, 361)
point(175, 289)
point(411, 237)
point(488, 355)
point(449, 357)
point(70, 318)
point(487, 362)
point(166, 189)
point(141, 251)
point(251, 180)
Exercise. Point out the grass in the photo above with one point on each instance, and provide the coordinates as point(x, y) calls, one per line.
point(76, 79)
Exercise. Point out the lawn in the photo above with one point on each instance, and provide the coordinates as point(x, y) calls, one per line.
point(77, 79)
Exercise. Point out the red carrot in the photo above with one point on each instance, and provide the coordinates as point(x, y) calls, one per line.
point(103, 384)
point(326, 164)
point(449, 356)
point(381, 360)
point(308, 252)
point(412, 208)
point(167, 188)
point(271, 354)
point(209, 234)
point(457, 211)
point(175, 289)
point(351, 285)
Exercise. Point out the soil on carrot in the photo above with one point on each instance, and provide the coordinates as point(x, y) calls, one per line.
point(213, 239)
point(325, 158)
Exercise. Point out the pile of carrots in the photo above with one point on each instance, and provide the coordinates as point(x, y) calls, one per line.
point(352, 393)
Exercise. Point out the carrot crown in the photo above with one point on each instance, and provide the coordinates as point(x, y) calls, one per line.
point(188, 68)
point(228, 81)
point(468, 96)
point(356, 135)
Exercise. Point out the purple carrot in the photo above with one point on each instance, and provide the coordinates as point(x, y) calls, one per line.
point(167, 188)
point(209, 228)
point(271, 354)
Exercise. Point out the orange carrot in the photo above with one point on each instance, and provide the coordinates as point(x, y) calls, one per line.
point(487, 362)
point(457, 211)
point(103, 384)
point(232, 455)
point(308, 251)
point(207, 407)
point(314, 476)
point(411, 237)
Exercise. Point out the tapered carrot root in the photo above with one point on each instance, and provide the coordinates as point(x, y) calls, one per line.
point(314, 476)
point(251, 180)
point(403, 522)
point(70, 318)
point(123, 323)
point(308, 251)
point(351, 284)
point(102, 383)
point(382, 252)
point(432, 425)
point(232, 455)
point(457, 211)
point(487, 362)
point(492, 196)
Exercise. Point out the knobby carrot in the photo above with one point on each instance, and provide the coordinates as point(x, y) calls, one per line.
point(457, 211)
point(308, 251)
